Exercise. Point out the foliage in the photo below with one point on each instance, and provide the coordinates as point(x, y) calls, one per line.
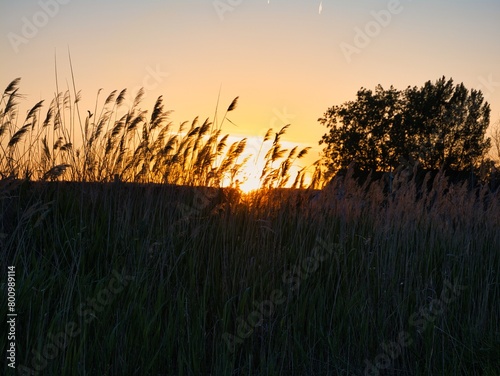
point(201, 261)
point(439, 125)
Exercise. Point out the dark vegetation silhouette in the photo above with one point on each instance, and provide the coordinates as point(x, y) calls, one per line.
point(423, 178)
point(437, 126)
point(121, 142)
point(352, 266)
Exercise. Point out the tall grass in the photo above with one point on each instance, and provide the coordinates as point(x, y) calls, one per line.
point(123, 142)
point(203, 260)
point(361, 282)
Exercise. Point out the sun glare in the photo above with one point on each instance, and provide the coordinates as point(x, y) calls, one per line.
point(249, 184)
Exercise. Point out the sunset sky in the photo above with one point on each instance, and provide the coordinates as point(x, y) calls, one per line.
point(288, 61)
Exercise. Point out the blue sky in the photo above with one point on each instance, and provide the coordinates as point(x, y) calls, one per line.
point(283, 58)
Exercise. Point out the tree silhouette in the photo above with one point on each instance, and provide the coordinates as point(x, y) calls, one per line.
point(439, 125)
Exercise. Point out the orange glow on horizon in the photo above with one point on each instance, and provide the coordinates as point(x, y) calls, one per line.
point(249, 185)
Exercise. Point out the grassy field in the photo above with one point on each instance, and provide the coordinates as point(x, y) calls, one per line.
point(131, 279)
point(130, 259)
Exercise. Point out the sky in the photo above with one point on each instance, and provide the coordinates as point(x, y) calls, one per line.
point(288, 61)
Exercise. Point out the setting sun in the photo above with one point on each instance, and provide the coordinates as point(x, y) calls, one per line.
point(250, 183)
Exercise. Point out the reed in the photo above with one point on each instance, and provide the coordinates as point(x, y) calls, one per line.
point(360, 281)
point(126, 144)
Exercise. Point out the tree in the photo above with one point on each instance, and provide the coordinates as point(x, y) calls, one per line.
point(439, 125)
point(495, 135)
